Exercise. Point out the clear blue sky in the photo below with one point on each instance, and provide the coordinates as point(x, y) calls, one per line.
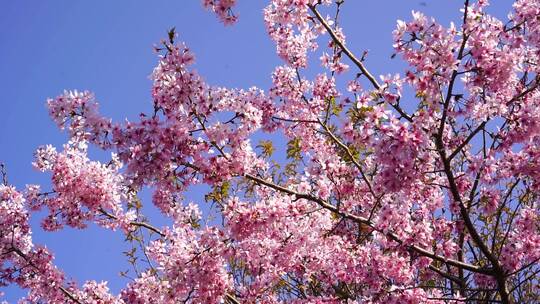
point(106, 46)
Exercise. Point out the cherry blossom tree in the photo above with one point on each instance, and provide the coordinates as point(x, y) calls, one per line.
point(420, 187)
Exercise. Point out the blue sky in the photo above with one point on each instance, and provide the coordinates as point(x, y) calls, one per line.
point(106, 47)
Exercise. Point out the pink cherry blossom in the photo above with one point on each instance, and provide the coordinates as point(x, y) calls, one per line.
point(333, 185)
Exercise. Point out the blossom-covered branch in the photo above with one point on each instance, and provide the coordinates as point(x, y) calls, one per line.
point(420, 188)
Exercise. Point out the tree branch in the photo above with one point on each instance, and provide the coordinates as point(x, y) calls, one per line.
point(66, 292)
point(355, 60)
point(362, 220)
point(134, 223)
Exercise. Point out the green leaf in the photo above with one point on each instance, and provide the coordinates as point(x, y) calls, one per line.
point(294, 149)
point(267, 148)
point(334, 106)
point(219, 192)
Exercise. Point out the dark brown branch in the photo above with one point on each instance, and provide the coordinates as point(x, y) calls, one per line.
point(351, 156)
point(467, 140)
point(63, 289)
point(364, 221)
point(454, 75)
point(354, 59)
point(3, 172)
point(230, 298)
point(345, 50)
point(445, 275)
point(294, 120)
point(134, 223)
point(499, 213)
point(498, 272)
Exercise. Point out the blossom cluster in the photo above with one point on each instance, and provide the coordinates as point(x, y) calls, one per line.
point(418, 188)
